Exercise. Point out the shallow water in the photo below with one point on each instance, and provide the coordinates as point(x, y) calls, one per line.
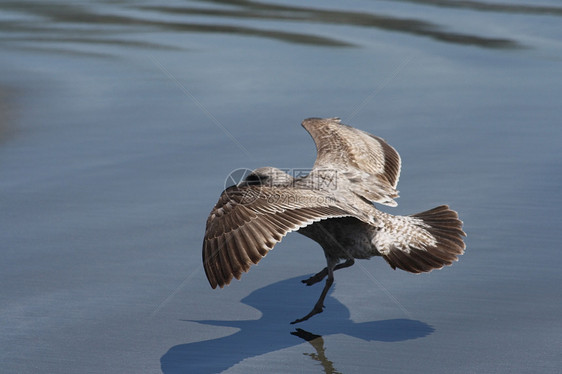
point(120, 122)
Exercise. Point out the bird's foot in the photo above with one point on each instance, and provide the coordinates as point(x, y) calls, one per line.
point(316, 310)
point(315, 278)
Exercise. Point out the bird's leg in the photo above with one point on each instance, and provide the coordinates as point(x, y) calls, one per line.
point(319, 306)
point(322, 273)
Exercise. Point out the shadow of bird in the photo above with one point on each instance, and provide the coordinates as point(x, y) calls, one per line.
point(271, 333)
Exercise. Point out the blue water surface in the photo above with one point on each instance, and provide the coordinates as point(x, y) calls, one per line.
point(120, 121)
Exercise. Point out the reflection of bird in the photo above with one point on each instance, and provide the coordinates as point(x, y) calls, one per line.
point(333, 206)
point(318, 343)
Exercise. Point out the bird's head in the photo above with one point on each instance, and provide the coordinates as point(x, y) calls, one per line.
point(267, 177)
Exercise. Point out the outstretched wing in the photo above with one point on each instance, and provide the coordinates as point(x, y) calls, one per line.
point(248, 221)
point(366, 160)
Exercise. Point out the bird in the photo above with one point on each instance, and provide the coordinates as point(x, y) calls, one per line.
point(334, 205)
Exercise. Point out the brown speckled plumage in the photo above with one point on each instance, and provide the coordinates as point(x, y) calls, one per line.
point(333, 206)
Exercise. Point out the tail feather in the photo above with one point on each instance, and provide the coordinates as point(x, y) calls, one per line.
point(423, 241)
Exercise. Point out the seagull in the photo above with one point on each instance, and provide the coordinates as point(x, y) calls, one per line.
point(332, 205)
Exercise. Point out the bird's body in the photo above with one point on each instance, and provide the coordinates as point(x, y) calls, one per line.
point(349, 238)
point(333, 206)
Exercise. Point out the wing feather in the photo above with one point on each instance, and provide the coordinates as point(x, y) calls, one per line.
point(238, 241)
point(367, 161)
point(248, 221)
point(249, 244)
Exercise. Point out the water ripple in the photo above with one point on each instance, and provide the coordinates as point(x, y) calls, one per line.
point(34, 24)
